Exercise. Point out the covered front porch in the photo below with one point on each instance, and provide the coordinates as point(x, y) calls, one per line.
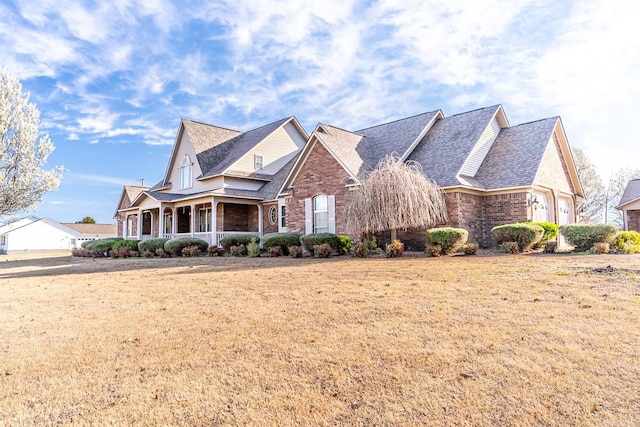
point(210, 221)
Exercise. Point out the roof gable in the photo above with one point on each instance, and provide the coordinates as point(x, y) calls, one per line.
point(128, 195)
point(631, 193)
point(449, 142)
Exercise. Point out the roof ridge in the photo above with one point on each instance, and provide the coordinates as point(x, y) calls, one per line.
point(269, 124)
point(536, 121)
point(474, 110)
point(342, 129)
point(398, 120)
point(213, 126)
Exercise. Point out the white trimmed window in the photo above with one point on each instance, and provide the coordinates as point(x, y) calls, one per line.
point(320, 214)
point(273, 215)
point(258, 161)
point(186, 173)
point(204, 220)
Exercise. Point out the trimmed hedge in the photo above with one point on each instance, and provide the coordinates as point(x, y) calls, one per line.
point(550, 231)
point(281, 240)
point(313, 239)
point(584, 236)
point(524, 235)
point(448, 238)
point(237, 240)
point(152, 244)
point(103, 245)
point(130, 244)
point(175, 246)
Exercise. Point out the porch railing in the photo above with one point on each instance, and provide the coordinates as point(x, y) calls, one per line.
point(222, 234)
point(212, 238)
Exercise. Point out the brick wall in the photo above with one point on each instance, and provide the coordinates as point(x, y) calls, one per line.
point(121, 216)
point(236, 217)
point(502, 209)
point(321, 174)
point(267, 227)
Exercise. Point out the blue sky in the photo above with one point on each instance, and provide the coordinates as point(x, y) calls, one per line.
point(113, 79)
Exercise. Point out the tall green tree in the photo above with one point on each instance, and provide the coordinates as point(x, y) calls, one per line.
point(23, 151)
point(86, 220)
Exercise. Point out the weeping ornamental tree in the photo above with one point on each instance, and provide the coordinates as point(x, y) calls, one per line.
point(23, 151)
point(396, 195)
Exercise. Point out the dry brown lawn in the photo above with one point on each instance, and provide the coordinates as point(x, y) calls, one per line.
point(487, 340)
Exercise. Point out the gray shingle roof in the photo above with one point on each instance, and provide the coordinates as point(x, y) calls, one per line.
point(444, 149)
point(211, 143)
point(220, 155)
point(516, 154)
point(631, 192)
point(362, 150)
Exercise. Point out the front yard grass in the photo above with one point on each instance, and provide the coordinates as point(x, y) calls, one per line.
point(486, 340)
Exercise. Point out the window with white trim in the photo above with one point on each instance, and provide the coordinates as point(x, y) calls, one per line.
point(283, 216)
point(258, 161)
point(186, 173)
point(204, 220)
point(273, 215)
point(320, 214)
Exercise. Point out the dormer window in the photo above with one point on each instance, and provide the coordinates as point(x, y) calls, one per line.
point(186, 173)
point(258, 161)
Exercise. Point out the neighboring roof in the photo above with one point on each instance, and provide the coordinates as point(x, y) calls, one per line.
point(631, 193)
point(18, 223)
point(93, 229)
point(516, 154)
point(131, 191)
point(447, 145)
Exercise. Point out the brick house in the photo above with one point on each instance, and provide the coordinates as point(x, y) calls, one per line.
point(630, 206)
point(277, 178)
point(492, 173)
point(218, 181)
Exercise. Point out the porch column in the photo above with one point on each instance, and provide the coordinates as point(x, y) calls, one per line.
point(151, 215)
point(160, 221)
point(260, 221)
point(139, 224)
point(125, 226)
point(174, 221)
point(214, 222)
point(193, 219)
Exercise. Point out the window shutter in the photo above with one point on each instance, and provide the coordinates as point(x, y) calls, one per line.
point(282, 225)
point(331, 202)
point(308, 217)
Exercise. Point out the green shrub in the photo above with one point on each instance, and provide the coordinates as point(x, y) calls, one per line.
point(509, 247)
point(550, 230)
point(253, 248)
point(283, 240)
point(316, 239)
point(432, 250)
point(550, 247)
point(525, 235)
point(102, 245)
point(600, 248)
point(152, 244)
point(174, 246)
point(372, 244)
point(629, 249)
point(131, 244)
point(584, 236)
point(237, 240)
point(345, 244)
point(191, 251)
point(394, 249)
point(323, 250)
point(470, 248)
point(295, 251)
point(360, 250)
point(625, 238)
point(89, 243)
point(448, 238)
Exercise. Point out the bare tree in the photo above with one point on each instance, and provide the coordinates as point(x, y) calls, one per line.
point(591, 209)
point(617, 183)
point(396, 195)
point(23, 150)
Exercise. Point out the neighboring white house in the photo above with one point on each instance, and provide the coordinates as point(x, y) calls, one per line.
point(37, 234)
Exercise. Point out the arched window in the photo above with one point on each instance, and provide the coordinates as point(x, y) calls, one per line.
point(186, 173)
point(320, 214)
